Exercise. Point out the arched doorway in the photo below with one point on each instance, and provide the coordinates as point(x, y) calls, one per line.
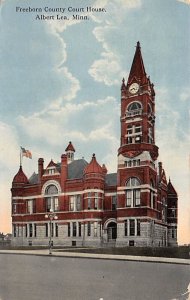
point(112, 231)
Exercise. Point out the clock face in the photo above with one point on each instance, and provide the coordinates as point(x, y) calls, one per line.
point(134, 87)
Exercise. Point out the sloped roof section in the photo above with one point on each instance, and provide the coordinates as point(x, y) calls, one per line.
point(137, 69)
point(111, 179)
point(93, 166)
point(33, 179)
point(171, 189)
point(70, 147)
point(20, 177)
point(76, 168)
point(51, 164)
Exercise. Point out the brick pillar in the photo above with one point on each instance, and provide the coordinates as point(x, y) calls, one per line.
point(40, 168)
point(64, 170)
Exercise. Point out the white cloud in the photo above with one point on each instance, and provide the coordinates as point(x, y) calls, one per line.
point(184, 1)
point(73, 86)
point(115, 10)
point(94, 127)
point(108, 68)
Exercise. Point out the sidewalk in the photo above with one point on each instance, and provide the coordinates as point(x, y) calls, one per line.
point(45, 252)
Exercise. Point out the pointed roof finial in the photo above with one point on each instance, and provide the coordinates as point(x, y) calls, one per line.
point(137, 68)
point(123, 84)
point(70, 147)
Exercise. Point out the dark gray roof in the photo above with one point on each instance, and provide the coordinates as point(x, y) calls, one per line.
point(111, 179)
point(33, 179)
point(76, 168)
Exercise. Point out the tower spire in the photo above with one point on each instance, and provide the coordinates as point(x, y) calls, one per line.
point(137, 69)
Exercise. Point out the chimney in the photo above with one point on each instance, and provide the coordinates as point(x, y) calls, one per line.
point(64, 170)
point(159, 170)
point(40, 168)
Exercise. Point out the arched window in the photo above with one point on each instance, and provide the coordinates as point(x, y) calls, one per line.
point(51, 198)
point(51, 190)
point(133, 192)
point(134, 108)
point(133, 181)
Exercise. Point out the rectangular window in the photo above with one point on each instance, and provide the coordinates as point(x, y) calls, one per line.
point(48, 204)
point(151, 199)
point(31, 206)
point(95, 229)
point(89, 203)
point(174, 233)
point(34, 205)
point(96, 201)
point(129, 198)
point(138, 139)
point(56, 203)
point(114, 202)
point(89, 229)
point(138, 227)
point(51, 171)
point(132, 227)
point(78, 199)
point(74, 229)
point(18, 232)
point(137, 129)
point(72, 200)
point(30, 230)
point(137, 197)
point(126, 227)
point(129, 140)
point(56, 230)
point(173, 213)
point(26, 230)
point(35, 230)
point(14, 230)
point(69, 229)
point(79, 228)
point(46, 225)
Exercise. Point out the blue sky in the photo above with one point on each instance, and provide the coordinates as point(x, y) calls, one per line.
point(60, 81)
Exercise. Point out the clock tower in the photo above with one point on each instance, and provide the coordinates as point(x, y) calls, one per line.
point(138, 206)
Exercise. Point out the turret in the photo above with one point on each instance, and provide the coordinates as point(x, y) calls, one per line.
point(70, 150)
point(20, 178)
point(94, 174)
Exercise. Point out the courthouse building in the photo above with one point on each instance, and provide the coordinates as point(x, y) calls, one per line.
point(136, 206)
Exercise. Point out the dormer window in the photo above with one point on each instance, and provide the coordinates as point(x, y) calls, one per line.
point(51, 171)
point(134, 109)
